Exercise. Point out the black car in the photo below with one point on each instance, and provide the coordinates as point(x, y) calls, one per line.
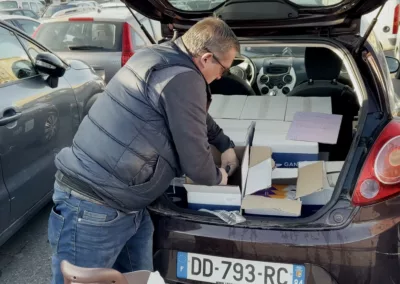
point(296, 49)
point(20, 12)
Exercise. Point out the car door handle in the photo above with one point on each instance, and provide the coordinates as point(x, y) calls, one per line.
point(9, 115)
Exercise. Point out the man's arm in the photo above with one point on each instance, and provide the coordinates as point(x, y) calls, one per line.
point(216, 135)
point(184, 99)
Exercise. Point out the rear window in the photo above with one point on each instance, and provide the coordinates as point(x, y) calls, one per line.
point(81, 36)
point(8, 5)
point(51, 10)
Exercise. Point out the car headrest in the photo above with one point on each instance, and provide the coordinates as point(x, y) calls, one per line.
point(322, 63)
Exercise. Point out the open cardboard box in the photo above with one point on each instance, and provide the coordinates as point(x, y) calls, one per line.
point(220, 197)
point(295, 184)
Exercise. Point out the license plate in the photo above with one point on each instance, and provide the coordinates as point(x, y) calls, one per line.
point(214, 269)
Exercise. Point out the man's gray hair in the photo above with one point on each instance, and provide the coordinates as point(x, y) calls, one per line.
point(210, 35)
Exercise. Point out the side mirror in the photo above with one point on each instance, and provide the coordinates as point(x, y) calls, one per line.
point(51, 65)
point(393, 64)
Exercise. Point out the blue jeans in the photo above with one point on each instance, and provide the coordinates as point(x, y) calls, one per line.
point(92, 235)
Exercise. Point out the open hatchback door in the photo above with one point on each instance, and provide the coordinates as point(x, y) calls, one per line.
point(266, 17)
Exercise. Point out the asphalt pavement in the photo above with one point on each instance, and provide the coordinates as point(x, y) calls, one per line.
point(26, 257)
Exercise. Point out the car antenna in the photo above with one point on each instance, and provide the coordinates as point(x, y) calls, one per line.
point(141, 25)
point(363, 39)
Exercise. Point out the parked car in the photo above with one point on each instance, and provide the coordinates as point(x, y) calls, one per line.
point(354, 237)
point(104, 40)
point(42, 101)
point(21, 12)
point(112, 5)
point(36, 6)
point(61, 9)
point(387, 26)
point(25, 24)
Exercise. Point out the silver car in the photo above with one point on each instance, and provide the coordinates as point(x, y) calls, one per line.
point(105, 40)
point(42, 102)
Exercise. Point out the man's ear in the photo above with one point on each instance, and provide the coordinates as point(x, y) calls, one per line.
point(206, 57)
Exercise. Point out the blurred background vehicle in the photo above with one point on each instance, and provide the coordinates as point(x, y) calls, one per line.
point(387, 26)
point(110, 5)
point(37, 6)
point(20, 12)
point(67, 8)
point(105, 40)
point(25, 24)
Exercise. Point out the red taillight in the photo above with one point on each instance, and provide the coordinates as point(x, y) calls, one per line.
point(380, 176)
point(127, 47)
point(36, 31)
point(396, 19)
point(76, 19)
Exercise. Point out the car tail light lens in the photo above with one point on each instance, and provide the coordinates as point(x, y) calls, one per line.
point(127, 46)
point(380, 176)
point(396, 19)
point(84, 19)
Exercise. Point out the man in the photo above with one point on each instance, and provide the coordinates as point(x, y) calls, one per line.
point(150, 126)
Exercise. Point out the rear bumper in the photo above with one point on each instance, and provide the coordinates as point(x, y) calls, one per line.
point(363, 252)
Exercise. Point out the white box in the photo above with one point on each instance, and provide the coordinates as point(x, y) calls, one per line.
point(227, 106)
point(307, 104)
point(286, 153)
point(239, 131)
point(218, 197)
point(264, 108)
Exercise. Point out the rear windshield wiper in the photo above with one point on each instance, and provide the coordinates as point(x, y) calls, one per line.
point(87, 47)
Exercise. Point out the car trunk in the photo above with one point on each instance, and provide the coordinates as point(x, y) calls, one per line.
point(175, 202)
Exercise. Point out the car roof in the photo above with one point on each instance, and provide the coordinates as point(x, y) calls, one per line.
point(14, 17)
point(115, 15)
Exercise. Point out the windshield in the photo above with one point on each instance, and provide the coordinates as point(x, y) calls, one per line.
point(82, 36)
point(51, 10)
point(201, 5)
point(8, 4)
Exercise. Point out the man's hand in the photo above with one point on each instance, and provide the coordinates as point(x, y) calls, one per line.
point(229, 158)
point(224, 180)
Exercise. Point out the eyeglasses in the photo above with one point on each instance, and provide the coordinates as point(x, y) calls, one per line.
point(225, 70)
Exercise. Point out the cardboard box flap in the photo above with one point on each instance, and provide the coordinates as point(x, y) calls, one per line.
point(245, 168)
point(293, 207)
point(259, 154)
point(310, 179)
point(259, 170)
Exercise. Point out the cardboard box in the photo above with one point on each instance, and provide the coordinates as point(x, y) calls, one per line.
point(307, 104)
point(257, 200)
point(285, 153)
point(227, 106)
point(239, 131)
point(281, 192)
point(218, 197)
point(264, 108)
